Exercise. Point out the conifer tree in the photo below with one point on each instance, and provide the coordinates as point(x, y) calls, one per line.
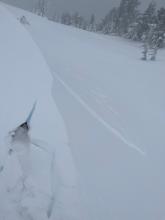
point(92, 23)
point(41, 8)
point(127, 13)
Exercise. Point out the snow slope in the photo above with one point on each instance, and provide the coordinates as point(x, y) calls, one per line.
point(25, 78)
point(113, 106)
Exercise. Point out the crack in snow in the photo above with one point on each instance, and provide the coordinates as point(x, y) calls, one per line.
point(97, 116)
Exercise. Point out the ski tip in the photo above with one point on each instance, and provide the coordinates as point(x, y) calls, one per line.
point(31, 113)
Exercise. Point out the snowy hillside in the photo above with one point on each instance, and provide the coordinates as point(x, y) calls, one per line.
point(24, 78)
point(113, 108)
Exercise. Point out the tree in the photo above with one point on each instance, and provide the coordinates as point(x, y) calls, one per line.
point(133, 32)
point(109, 22)
point(55, 17)
point(41, 8)
point(150, 43)
point(161, 27)
point(92, 23)
point(161, 19)
point(127, 14)
point(150, 14)
point(66, 19)
point(145, 23)
point(78, 21)
point(154, 22)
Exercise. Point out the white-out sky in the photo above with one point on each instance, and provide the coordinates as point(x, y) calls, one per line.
point(98, 7)
point(84, 7)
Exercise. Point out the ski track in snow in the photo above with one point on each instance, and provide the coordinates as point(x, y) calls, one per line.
point(103, 101)
point(102, 121)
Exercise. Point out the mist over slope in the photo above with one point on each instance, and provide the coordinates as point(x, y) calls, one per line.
point(85, 7)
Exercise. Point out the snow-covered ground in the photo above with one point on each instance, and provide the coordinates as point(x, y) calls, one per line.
point(113, 107)
point(25, 78)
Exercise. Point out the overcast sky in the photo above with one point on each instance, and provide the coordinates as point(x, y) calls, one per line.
point(99, 7)
point(85, 7)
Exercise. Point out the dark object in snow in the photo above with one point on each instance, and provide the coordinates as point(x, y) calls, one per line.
point(21, 132)
point(1, 168)
point(10, 151)
point(23, 20)
point(50, 208)
point(25, 126)
point(30, 114)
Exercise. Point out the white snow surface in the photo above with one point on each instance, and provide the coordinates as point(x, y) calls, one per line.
point(113, 107)
point(25, 77)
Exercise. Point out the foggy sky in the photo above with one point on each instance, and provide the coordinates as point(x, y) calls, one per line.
point(85, 7)
point(98, 7)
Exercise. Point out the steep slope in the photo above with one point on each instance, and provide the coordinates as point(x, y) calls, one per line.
point(24, 78)
point(113, 106)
